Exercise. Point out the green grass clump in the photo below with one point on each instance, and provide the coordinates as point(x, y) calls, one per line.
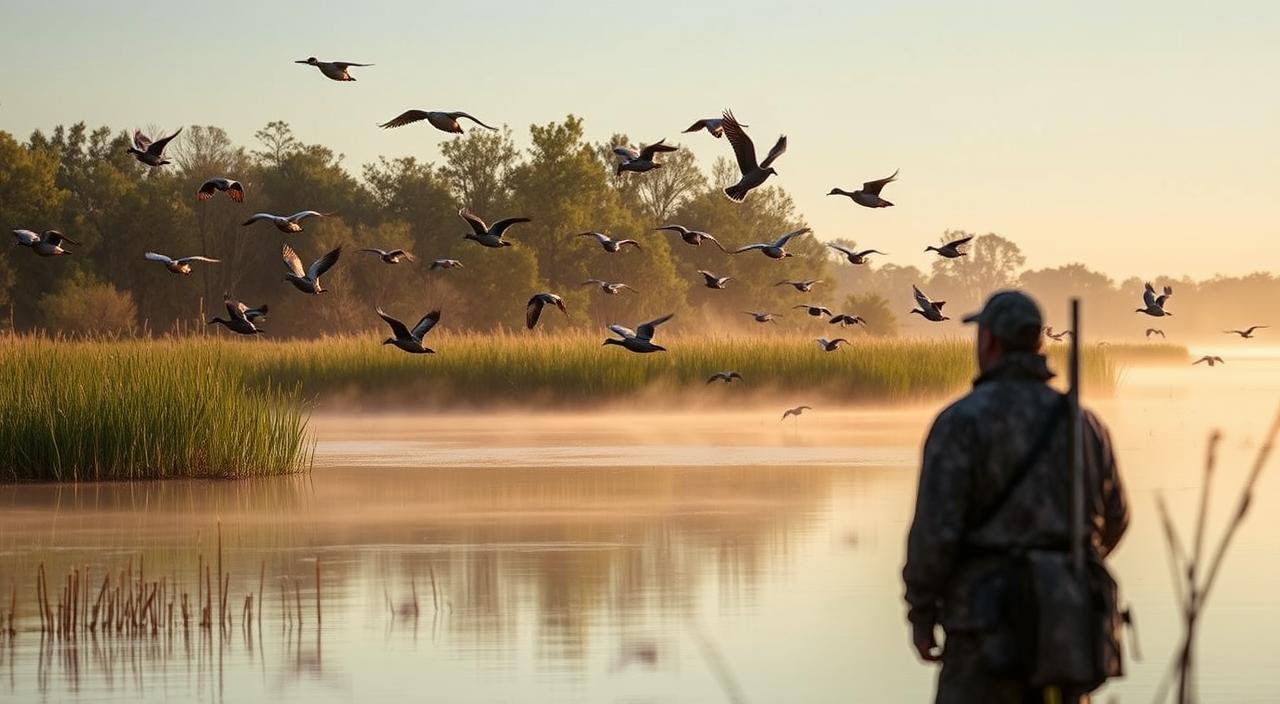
point(82, 411)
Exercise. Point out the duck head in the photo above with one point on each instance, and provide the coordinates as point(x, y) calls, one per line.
point(311, 61)
point(611, 341)
point(837, 192)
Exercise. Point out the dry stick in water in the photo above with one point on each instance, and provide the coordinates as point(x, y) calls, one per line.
point(222, 604)
point(435, 594)
point(297, 598)
point(262, 573)
point(317, 591)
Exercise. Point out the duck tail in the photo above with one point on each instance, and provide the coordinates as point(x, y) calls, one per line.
point(736, 193)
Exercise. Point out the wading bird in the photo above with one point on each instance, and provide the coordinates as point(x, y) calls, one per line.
point(830, 345)
point(233, 189)
point(1155, 331)
point(845, 320)
point(641, 340)
point(609, 244)
point(1153, 305)
point(287, 224)
point(801, 286)
point(693, 237)
point(869, 195)
point(855, 258)
point(239, 319)
point(774, 250)
point(713, 125)
point(533, 309)
point(444, 264)
point(410, 340)
point(710, 280)
point(1247, 333)
point(443, 121)
point(608, 287)
point(488, 235)
point(929, 310)
point(178, 266)
point(815, 311)
point(726, 377)
point(148, 152)
point(1211, 360)
point(333, 70)
point(763, 317)
point(642, 160)
point(753, 173)
point(308, 281)
point(394, 256)
point(951, 250)
point(795, 412)
point(47, 245)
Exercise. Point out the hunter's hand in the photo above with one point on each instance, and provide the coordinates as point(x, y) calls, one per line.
point(926, 644)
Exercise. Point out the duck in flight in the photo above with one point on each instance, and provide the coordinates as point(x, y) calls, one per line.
point(951, 250)
point(149, 152)
point(726, 377)
point(693, 237)
point(443, 121)
point(609, 244)
point(444, 264)
point(392, 256)
point(712, 281)
point(1154, 331)
point(1247, 333)
point(795, 411)
point(830, 345)
point(753, 174)
point(233, 189)
point(178, 266)
point(308, 281)
point(642, 160)
point(801, 286)
point(333, 70)
point(776, 249)
point(47, 245)
point(488, 235)
point(1211, 360)
point(761, 317)
point(854, 257)
point(1057, 336)
point(240, 318)
point(533, 309)
point(1153, 305)
point(869, 195)
point(845, 320)
point(609, 287)
point(815, 311)
point(713, 125)
point(410, 340)
point(287, 224)
point(929, 310)
point(641, 340)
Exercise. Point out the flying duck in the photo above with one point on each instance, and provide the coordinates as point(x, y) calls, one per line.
point(609, 244)
point(234, 189)
point(640, 161)
point(285, 223)
point(693, 237)
point(308, 281)
point(1211, 360)
point(410, 340)
point(753, 174)
point(815, 311)
point(178, 266)
point(951, 250)
point(713, 125)
point(1153, 304)
point(394, 256)
point(845, 320)
point(801, 286)
point(333, 70)
point(1155, 331)
point(443, 121)
point(239, 319)
point(533, 309)
point(148, 152)
point(869, 195)
point(795, 411)
point(726, 377)
point(774, 250)
point(855, 258)
point(47, 245)
point(1058, 336)
point(710, 280)
point(488, 235)
point(929, 310)
point(830, 345)
point(763, 317)
point(642, 339)
point(610, 288)
point(444, 264)
point(1247, 333)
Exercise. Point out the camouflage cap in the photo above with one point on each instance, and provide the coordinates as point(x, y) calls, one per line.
point(1012, 317)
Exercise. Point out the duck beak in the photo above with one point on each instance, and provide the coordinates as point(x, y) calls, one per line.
point(300, 62)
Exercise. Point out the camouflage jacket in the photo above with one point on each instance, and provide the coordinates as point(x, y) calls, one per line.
point(971, 455)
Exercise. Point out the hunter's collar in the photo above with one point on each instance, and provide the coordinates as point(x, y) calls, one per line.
point(1018, 365)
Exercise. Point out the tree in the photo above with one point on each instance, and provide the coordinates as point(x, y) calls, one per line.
point(992, 263)
point(82, 305)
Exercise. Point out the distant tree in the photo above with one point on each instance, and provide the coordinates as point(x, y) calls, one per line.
point(477, 168)
point(277, 142)
point(82, 305)
point(992, 263)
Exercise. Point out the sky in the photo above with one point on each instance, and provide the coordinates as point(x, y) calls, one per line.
point(1136, 137)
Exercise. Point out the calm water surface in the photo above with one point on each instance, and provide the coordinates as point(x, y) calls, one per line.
point(606, 558)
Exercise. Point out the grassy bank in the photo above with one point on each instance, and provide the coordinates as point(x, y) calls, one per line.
point(138, 410)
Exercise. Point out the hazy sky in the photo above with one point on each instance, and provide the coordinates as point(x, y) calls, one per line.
point(1137, 137)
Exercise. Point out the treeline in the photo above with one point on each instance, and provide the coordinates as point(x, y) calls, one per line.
point(83, 182)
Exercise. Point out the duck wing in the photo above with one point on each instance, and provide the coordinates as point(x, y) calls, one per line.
point(397, 328)
point(456, 115)
point(477, 225)
point(743, 148)
point(647, 151)
point(323, 264)
point(292, 261)
point(405, 118)
point(156, 148)
point(876, 185)
point(646, 330)
point(620, 331)
point(501, 226)
point(154, 257)
point(426, 324)
point(782, 241)
point(779, 148)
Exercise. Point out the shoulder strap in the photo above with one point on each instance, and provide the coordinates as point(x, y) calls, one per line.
point(1029, 460)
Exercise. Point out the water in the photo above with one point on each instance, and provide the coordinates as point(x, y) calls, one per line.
point(606, 558)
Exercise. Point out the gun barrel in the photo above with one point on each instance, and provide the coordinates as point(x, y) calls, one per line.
point(1077, 445)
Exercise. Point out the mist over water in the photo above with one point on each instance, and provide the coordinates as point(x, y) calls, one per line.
point(620, 556)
